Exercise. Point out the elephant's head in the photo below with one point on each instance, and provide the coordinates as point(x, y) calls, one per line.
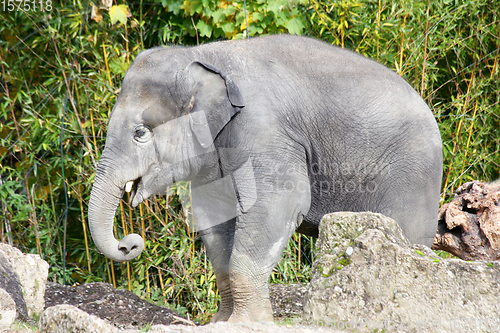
point(163, 124)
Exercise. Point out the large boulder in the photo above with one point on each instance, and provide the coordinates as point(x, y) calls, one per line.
point(24, 277)
point(9, 281)
point(368, 277)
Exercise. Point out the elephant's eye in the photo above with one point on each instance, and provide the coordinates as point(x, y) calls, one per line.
point(142, 133)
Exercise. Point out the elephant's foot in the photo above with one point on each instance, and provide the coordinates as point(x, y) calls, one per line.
point(225, 310)
point(255, 312)
point(221, 315)
point(250, 299)
point(226, 303)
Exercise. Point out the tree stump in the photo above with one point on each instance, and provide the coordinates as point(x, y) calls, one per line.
point(469, 225)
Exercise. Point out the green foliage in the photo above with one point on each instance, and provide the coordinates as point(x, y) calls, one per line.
point(447, 50)
point(444, 255)
point(419, 253)
point(18, 209)
point(216, 19)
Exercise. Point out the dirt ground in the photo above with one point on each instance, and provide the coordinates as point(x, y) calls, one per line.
point(126, 310)
point(121, 307)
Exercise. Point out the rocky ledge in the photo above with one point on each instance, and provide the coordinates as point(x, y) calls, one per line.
point(368, 277)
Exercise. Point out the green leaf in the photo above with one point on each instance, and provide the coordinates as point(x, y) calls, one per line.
point(228, 27)
point(118, 13)
point(218, 16)
point(281, 19)
point(175, 7)
point(295, 26)
point(230, 10)
point(118, 66)
point(258, 16)
point(274, 7)
point(193, 7)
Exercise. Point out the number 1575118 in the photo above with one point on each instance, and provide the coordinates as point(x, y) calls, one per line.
point(26, 5)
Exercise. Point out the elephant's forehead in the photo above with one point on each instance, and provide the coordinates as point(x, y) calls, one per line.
point(127, 112)
point(134, 109)
point(137, 94)
point(139, 86)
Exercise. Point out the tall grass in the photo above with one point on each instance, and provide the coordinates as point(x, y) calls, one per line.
point(448, 51)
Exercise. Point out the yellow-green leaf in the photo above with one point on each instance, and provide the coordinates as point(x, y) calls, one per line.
point(118, 13)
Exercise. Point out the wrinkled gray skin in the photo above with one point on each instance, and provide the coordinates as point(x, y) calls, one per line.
point(274, 132)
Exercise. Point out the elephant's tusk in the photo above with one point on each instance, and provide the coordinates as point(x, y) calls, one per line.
point(128, 186)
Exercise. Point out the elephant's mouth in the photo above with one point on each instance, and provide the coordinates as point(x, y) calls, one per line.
point(131, 187)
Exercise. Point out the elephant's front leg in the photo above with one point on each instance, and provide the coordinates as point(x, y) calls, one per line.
point(262, 232)
point(214, 203)
point(218, 241)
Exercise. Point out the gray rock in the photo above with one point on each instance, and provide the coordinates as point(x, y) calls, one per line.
point(368, 277)
point(7, 310)
point(9, 281)
point(67, 318)
point(30, 272)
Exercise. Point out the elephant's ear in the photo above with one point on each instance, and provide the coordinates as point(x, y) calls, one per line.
point(215, 99)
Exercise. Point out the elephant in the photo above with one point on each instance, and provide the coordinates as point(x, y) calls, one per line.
point(273, 132)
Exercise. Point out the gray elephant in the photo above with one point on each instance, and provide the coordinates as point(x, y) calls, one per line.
point(273, 132)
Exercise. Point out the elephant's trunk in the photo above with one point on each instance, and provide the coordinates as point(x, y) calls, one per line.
point(104, 200)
